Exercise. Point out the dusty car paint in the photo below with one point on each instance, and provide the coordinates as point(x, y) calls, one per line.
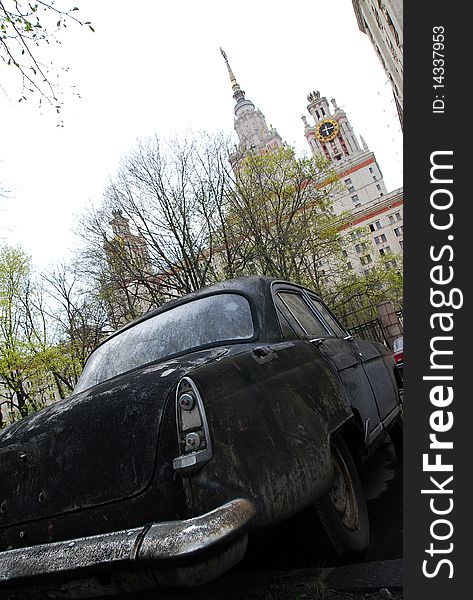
point(105, 459)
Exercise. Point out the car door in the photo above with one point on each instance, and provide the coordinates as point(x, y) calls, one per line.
point(332, 342)
point(375, 359)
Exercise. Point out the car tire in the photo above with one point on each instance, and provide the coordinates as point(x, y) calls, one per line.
point(343, 513)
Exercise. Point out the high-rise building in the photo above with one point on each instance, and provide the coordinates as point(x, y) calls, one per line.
point(249, 123)
point(362, 193)
point(332, 136)
point(381, 20)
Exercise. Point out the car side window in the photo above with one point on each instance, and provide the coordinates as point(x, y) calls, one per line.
point(287, 324)
point(297, 311)
point(328, 317)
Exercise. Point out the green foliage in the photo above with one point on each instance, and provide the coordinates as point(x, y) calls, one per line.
point(42, 350)
point(283, 224)
point(16, 360)
point(281, 216)
point(355, 296)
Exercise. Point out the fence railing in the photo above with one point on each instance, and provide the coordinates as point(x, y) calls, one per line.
point(373, 330)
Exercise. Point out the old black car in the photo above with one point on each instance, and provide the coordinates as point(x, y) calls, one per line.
point(211, 418)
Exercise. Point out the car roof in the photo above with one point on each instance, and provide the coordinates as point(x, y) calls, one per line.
point(257, 288)
point(252, 286)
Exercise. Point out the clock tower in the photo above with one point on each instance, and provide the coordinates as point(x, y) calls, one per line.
point(333, 137)
point(362, 193)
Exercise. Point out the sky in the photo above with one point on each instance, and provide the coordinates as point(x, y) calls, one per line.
point(155, 67)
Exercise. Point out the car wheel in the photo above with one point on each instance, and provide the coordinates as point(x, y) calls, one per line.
point(342, 512)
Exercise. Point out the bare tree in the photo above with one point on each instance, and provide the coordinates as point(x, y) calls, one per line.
point(25, 28)
point(281, 211)
point(177, 218)
point(77, 321)
point(172, 198)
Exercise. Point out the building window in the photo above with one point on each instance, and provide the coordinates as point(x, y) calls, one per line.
point(366, 259)
point(371, 170)
point(375, 225)
point(378, 187)
point(355, 198)
point(391, 220)
point(358, 248)
point(401, 243)
point(379, 239)
point(351, 189)
point(349, 265)
point(398, 216)
point(391, 264)
point(348, 180)
point(384, 251)
point(399, 231)
point(375, 178)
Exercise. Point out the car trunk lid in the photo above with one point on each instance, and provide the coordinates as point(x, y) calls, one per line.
point(96, 447)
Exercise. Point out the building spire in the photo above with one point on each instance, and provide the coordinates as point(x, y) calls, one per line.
point(238, 93)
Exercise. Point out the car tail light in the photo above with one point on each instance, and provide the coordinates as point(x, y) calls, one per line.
point(398, 357)
point(195, 447)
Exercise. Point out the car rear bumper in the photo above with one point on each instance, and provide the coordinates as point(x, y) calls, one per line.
point(177, 552)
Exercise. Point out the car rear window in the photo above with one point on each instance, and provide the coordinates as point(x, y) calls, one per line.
point(201, 322)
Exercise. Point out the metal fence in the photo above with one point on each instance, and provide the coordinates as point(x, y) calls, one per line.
point(373, 330)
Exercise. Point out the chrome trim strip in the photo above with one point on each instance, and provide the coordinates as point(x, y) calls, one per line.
point(376, 431)
point(191, 461)
point(392, 415)
point(118, 549)
point(367, 431)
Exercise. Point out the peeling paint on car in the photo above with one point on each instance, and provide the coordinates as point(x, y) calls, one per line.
point(100, 463)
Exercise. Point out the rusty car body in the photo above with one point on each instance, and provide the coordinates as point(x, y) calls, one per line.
point(211, 418)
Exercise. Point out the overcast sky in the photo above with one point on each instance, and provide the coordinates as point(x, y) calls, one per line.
point(155, 66)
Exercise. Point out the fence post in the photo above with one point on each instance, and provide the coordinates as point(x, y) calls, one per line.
point(389, 322)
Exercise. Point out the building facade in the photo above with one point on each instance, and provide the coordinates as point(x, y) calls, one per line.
point(382, 21)
point(382, 220)
point(126, 253)
point(332, 136)
point(249, 123)
point(371, 218)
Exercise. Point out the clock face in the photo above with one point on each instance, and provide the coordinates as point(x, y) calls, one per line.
point(327, 130)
